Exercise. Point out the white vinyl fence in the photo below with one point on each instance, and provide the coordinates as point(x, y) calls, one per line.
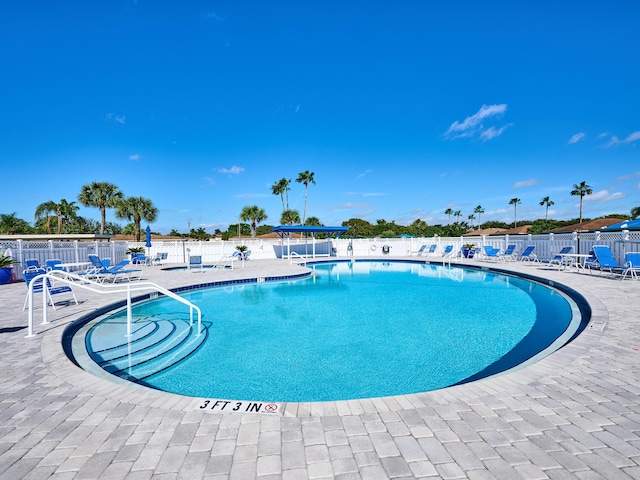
point(178, 251)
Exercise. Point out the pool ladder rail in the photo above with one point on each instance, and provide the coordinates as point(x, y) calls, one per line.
point(102, 289)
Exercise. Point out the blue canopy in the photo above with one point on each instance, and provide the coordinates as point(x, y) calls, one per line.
point(284, 229)
point(626, 225)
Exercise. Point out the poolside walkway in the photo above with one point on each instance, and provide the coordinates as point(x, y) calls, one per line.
point(574, 414)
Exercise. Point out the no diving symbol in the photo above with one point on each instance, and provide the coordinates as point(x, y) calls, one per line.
point(271, 408)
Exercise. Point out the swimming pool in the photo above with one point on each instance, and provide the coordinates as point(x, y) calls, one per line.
point(351, 330)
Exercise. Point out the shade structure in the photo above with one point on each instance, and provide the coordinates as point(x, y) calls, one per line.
point(626, 225)
point(148, 237)
point(282, 230)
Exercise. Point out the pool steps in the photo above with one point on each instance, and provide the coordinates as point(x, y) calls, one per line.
point(157, 343)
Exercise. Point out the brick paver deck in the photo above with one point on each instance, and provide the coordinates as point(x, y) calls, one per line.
point(575, 414)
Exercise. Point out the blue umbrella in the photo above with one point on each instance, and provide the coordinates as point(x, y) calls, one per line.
point(148, 237)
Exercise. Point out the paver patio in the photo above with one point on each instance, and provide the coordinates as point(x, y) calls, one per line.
point(574, 414)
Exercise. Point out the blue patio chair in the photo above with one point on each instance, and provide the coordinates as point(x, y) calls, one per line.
point(53, 264)
point(432, 249)
point(560, 259)
point(195, 263)
point(32, 264)
point(102, 273)
point(159, 259)
point(39, 287)
point(448, 251)
point(508, 253)
point(527, 255)
point(118, 271)
point(606, 261)
point(421, 250)
point(633, 264)
point(491, 252)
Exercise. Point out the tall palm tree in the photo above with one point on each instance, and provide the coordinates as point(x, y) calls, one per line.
point(471, 218)
point(290, 217)
point(44, 210)
point(580, 190)
point(305, 177)
point(66, 211)
point(101, 195)
point(136, 209)
point(547, 202)
point(449, 212)
point(515, 202)
point(457, 214)
point(254, 215)
point(281, 187)
point(479, 210)
point(635, 212)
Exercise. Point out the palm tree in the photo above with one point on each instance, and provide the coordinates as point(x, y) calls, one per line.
point(66, 211)
point(11, 224)
point(457, 214)
point(101, 195)
point(471, 217)
point(313, 221)
point(547, 202)
point(581, 190)
point(305, 177)
point(281, 187)
point(635, 212)
point(254, 215)
point(290, 217)
point(479, 210)
point(515, 202)
point(44, 210)
point(449, 212)
point(136, 209)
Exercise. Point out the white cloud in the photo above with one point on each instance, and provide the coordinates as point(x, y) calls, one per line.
point(603, 196)
point(473, 124)
point(492, 132)
point(366, 194)
point(112, 117)
point(630, 176)
point(632, 137)
point(210, 181)
point(135, 157)
point(366, 172)
point(213, 17)
point(525, 183)
point(576, 138)
point(231, 171)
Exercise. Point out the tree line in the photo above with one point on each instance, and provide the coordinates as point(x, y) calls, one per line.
point(61, 216)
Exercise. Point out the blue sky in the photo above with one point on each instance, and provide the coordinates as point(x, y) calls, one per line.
point(401, 109)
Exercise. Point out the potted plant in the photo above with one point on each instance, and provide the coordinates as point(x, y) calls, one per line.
point(6, 269)
point(468, 250)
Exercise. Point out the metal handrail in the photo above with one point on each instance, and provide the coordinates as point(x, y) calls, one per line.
point(96, 287)
point(296, 254)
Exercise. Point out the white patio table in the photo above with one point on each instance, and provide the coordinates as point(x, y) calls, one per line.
point(575, 260)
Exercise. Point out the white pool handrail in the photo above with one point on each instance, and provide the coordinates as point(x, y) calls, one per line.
point(96, 287)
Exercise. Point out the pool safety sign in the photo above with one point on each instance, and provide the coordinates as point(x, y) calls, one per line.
point(238, 406)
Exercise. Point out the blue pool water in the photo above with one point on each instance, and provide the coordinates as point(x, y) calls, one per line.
point(354, 330)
